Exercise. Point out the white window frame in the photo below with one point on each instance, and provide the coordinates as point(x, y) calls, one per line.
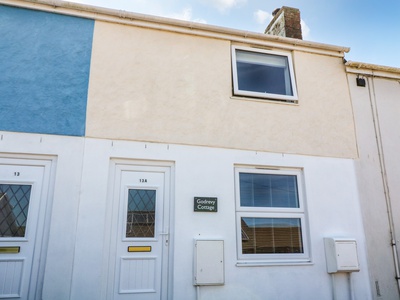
point(272, 212)
point(290, 76)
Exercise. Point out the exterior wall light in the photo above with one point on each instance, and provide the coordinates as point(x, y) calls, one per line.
point(360, 81)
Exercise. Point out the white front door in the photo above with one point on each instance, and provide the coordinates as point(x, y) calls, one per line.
point(23, 188)
point(141, 260)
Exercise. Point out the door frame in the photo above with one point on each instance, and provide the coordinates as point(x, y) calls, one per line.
point(44, 215)
point(111, 219)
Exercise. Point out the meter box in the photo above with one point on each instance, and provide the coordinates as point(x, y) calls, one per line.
point(341, 255)
point(208, 262)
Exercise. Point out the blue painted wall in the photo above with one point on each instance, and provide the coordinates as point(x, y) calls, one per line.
point(44, 71)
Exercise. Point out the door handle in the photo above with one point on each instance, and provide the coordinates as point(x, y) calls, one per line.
point(166, 237)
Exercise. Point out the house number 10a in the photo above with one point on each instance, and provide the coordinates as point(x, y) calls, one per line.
point(142, 180)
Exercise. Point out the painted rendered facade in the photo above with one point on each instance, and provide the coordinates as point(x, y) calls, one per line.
point(376, 110)
point(44, 71)
point(81, 229)
point(126, 88)
point(120, 106)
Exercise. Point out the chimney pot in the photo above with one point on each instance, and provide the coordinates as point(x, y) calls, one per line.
point(275, 11)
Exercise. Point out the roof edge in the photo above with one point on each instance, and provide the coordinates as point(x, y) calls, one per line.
point(163, 23)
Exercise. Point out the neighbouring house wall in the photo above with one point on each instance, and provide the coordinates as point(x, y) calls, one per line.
point(44, 71)
point(152, 85)
point(376, 113)
point(67, 153)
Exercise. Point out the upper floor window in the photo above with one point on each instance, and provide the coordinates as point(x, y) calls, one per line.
point(263, 74)
point(270, 216)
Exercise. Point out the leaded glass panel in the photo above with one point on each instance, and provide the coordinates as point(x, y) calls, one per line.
point(14, 206)
point(141, 213)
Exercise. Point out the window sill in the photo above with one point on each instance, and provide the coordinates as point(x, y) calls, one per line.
point(273, 263)
point(266, 100)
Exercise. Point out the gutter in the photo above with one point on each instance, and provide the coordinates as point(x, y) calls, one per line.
point(372, 70)
point(178, 26)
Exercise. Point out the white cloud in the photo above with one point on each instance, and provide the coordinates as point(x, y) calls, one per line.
point(224, 5)
point(262, 17)
point(186, 15)
point(305, 30)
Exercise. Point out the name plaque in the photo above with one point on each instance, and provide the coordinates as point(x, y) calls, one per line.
point(205, 204)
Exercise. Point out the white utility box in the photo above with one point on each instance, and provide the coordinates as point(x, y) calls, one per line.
point(208, 262)
point(341, 255)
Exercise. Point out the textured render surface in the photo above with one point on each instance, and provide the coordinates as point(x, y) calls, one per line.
point(83, 227)
point(157, 86)
point(44, 71)
point(376, 108)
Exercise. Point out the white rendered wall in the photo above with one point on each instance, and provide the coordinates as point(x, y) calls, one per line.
point(68, 154)
point(80, 228)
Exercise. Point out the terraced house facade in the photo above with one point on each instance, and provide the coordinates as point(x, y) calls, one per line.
point(115, 126)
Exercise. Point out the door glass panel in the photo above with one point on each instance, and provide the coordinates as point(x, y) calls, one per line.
point(14, 205)
point(141, 213)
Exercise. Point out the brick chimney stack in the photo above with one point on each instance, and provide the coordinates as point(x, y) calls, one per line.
point(286, 22)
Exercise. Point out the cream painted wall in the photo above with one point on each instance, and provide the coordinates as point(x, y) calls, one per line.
point(150, 85)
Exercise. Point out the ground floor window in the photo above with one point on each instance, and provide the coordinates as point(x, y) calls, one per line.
point(270, 215)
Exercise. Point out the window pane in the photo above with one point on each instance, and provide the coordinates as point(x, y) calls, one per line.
point(268, 190)
point(263, 73)
point(141, 213)
point(271, 235)
point(14, 205)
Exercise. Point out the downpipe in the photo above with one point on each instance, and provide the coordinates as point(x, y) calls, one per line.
point(378, 137)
